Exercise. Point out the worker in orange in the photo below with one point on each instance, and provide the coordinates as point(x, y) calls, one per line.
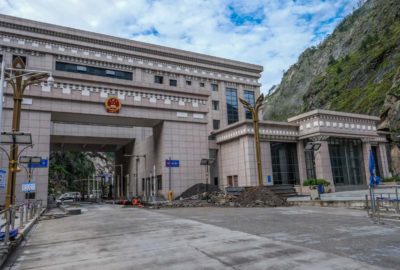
point(136, 202)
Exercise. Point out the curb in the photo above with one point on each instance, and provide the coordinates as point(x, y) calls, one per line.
point(7, 251)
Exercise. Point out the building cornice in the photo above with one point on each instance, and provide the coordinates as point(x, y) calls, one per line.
point(67, 50)
point(126, 44)
point(318, 112)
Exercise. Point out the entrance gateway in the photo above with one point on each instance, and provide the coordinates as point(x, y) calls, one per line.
point(149, 103)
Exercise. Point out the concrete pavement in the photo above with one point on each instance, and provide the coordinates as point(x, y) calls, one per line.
point(110, 237)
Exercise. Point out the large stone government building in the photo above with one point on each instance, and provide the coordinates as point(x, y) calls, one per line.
point(175, 105)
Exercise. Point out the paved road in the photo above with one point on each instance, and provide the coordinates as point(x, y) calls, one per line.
point(110, 237)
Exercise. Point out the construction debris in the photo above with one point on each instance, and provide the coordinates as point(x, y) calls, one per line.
point(198, 190)
point(260, 196)
point(249, 197)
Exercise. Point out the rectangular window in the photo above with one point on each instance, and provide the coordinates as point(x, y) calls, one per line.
point(214, 87)
point(173, 82)
point(216, 124)
point(158, 79)
point(83, 68)
point(188, 82)
point(346, 161)
point(20, 56)
point(96, 71)
point(249, 97)
point(215, 105)
point(159, 182)
point(284, 163)
point(110, 72)
point(201, 84)
point(230, 181)
point(232, 105)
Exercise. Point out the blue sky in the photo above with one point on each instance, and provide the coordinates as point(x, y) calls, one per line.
point(271, 33)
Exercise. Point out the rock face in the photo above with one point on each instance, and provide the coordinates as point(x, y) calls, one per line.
point(356, 69)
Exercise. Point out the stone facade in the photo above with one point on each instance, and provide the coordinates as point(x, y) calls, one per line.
point(318, 126)
point(160, 118)
point(174, 105)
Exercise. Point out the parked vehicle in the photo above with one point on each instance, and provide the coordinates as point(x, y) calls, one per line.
point(69, 196)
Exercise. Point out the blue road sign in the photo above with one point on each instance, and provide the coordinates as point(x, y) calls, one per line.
point(28, 187)
point(3, 178)
point(171, 163)
point(44, 163)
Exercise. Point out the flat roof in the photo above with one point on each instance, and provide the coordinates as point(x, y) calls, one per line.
point(333, 113)
point(250, 122)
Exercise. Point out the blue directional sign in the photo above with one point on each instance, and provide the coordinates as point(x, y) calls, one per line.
point(28, 187)
point(44, 163)
point(3, 178)
point(171, 163)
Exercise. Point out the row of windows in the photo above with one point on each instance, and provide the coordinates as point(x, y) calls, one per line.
point(118, 74)
point(173, 82)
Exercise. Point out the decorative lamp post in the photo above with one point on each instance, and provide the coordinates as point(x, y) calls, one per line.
point(19, 78)
point(254, 112)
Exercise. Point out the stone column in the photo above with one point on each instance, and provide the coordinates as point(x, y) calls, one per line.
point(323, 167)
point(366, 148)
point(382, 155)
point(301, 160)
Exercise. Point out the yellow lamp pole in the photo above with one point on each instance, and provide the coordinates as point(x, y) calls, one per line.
point(19, 78)
point(254, 112)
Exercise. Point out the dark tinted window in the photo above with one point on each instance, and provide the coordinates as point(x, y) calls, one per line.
point(232, 105)
point(94, 71)
point(158, 79)
point(173, 82)
point(249, 97)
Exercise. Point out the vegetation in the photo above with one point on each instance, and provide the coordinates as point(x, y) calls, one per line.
point(315, 182)
point(352, 70)
point(67, 171)
point(392, 179)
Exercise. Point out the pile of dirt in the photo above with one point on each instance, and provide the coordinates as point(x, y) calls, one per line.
point(196, 191)
point(260, 196)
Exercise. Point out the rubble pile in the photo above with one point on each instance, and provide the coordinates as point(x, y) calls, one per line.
point(219, 198)
point(260, 196)
point(196, 196)
point(196, 191)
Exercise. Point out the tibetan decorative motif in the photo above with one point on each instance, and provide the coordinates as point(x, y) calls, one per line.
point(113, 105)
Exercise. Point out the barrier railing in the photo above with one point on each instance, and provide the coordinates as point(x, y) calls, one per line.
point(20, 214)
point(383, 201)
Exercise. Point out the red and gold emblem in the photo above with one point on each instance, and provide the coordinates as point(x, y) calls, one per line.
point(113, 105)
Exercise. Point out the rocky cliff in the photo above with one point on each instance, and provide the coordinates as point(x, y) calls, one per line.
point(355, 69)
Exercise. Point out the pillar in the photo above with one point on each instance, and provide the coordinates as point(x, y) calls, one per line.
point(323, 167)
point(366, 147)
point(382, 155)
point(301, 161)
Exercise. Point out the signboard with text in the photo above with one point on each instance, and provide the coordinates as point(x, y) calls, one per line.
point(28, 187)
point(171, 163)
point(3, 174)
point(44, 163)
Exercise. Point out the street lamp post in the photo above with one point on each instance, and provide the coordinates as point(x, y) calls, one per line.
point(19, 78)
point(254, 112)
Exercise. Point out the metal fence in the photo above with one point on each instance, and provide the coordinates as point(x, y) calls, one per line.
point(383, 202)
point(14, 219)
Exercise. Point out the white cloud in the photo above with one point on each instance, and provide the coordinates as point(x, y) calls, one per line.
point(268, 33)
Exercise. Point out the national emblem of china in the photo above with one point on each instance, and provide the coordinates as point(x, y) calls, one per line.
point(113, 105)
